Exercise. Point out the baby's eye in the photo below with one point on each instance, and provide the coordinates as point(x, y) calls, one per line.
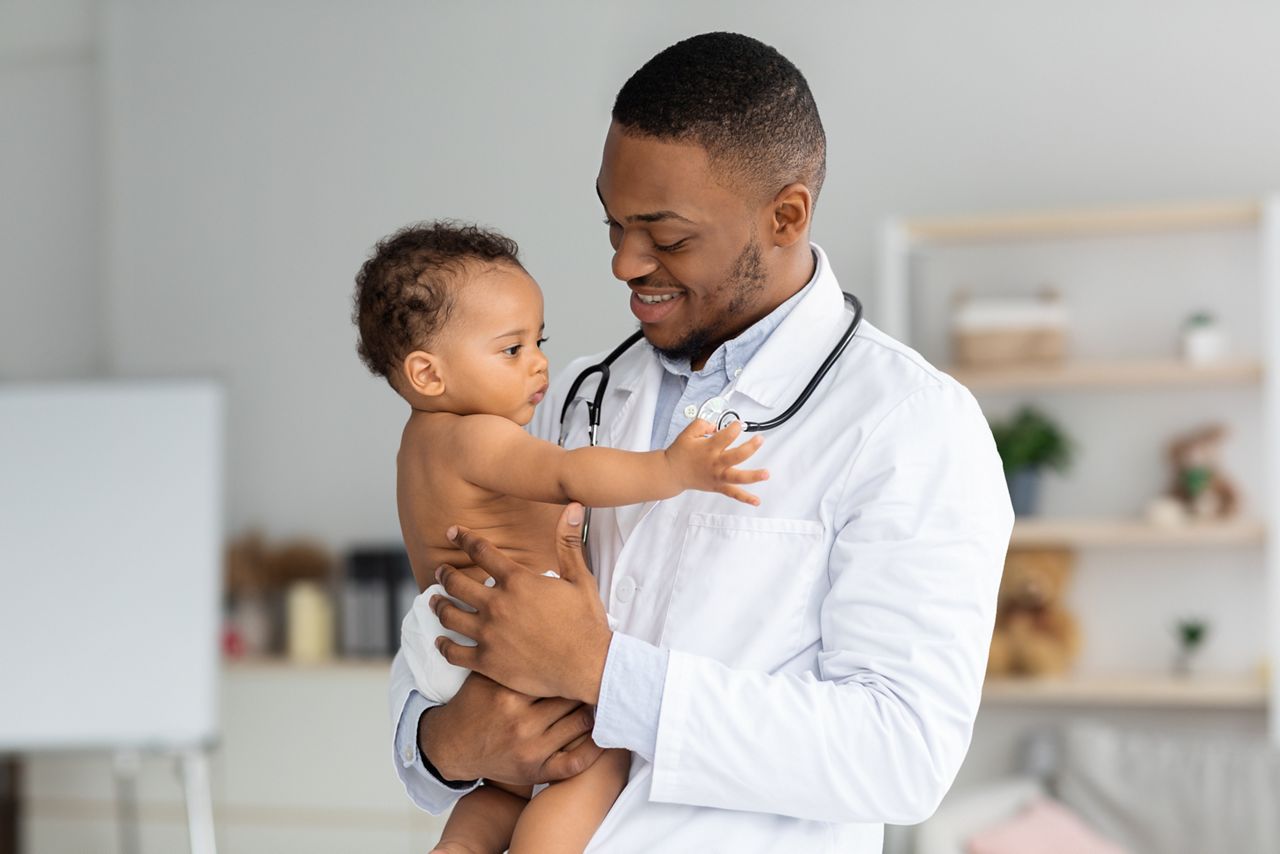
point(513, 349)
point(542, 341)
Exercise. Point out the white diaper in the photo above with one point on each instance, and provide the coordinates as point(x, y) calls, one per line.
point(433, 676)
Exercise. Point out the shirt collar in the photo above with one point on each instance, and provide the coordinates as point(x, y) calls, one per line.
point(731, 357)
point(789, 350)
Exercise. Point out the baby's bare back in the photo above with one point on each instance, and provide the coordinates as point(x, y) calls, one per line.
point(432, 493)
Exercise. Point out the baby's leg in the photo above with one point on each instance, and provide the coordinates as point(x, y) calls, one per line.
point(482, 822)
point(564, 816)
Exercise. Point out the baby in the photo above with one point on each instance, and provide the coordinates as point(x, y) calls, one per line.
point(450, 318)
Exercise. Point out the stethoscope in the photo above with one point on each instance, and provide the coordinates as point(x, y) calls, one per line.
point(716, 410)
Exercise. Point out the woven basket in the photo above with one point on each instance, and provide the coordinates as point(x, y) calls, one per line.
point(1004, 347)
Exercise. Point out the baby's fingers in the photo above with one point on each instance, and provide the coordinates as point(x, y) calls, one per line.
point(740, 454)
point(740, 495)
point(724, 437)
point(744, 475)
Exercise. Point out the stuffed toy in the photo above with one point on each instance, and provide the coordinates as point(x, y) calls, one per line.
point(1034, 635)
point(1198, 484)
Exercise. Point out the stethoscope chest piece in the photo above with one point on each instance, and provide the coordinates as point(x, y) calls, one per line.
point(717, 411)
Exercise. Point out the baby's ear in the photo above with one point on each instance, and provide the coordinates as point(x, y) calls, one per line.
point(424, 373)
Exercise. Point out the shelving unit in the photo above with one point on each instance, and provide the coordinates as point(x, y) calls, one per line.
point(1130, 691)
point(1112, 374)
point(1122, 533)
point(905, 242)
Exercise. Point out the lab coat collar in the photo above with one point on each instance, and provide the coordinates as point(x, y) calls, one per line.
point(794, 350)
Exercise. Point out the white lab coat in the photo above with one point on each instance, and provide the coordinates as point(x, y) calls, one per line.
point(827, 647)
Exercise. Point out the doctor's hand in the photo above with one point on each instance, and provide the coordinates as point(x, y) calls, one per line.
point(490, 731)
point(543, 636)
point(702, 459)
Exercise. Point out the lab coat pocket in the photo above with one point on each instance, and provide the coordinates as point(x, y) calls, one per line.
point(742, 588)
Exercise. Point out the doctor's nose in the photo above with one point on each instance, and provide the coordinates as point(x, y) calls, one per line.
point(630, 262)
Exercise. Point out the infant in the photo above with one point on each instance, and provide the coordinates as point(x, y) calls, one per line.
point(450, 318)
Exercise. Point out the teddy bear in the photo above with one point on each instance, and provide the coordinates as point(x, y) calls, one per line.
point(1198, 484)
point(1034, 634)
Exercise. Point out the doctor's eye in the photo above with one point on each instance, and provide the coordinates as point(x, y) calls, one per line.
point(671, 247)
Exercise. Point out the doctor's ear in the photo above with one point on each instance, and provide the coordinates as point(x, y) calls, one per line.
point(792, 211)
point(424, 373)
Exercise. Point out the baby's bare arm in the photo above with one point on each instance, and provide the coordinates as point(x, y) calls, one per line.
point(481, 823)
point(562, 818)
point(495, 454)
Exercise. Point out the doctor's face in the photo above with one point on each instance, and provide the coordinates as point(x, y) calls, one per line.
point(688, 246)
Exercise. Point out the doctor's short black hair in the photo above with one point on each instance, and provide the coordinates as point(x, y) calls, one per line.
point(738, 98)
point(405, 291)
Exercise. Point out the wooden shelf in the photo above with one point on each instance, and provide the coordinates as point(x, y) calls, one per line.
point(1118, 373)
point(1146, 691)
point(1120, 533)
point(1084, 223)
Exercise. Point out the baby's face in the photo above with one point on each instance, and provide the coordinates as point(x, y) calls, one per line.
point(492, 345)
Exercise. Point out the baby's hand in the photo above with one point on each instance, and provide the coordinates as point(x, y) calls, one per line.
point(702, 459)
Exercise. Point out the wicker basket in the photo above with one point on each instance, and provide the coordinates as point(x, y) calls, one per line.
point(1003, 347)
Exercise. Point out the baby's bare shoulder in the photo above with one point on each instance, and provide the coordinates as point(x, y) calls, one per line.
point(453, 441)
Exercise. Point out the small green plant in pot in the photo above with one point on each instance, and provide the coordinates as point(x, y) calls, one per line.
point(1028, 443)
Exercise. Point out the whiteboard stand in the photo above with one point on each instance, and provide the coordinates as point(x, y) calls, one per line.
point(193, 767)
point(126, 767)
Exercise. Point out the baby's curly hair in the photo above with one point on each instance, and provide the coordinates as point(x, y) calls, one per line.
point(404, 292)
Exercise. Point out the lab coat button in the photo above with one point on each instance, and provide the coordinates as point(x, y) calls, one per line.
point(690, 411)
point(626, 589)
point(408, 754)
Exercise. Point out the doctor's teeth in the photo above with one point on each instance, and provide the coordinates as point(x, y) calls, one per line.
point(648, 300)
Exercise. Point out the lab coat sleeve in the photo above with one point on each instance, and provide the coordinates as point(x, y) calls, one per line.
point(407, 705)
point(879, 733)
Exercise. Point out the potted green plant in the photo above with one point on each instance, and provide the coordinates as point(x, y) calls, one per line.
point(1028, 443)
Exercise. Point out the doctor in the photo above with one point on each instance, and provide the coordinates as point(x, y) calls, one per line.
point(789, 677)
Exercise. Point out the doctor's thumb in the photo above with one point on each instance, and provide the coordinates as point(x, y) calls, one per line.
point(573, 564)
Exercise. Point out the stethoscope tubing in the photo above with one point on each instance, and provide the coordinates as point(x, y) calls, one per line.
point(603, 369)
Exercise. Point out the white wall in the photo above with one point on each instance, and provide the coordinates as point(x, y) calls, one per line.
point(50, 170)
point(225, 168)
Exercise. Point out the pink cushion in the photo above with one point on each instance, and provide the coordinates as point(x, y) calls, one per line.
point(1044, 827)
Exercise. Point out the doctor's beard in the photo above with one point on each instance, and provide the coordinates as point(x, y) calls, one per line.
point(746, 280)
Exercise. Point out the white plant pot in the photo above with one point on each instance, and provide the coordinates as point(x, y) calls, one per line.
point(1203, 345)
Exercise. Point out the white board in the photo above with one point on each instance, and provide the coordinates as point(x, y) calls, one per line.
point(110, 564)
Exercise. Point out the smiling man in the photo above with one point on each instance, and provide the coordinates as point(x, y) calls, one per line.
point(787, 677)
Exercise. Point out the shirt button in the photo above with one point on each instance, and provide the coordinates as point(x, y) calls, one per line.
point(737, 372)
point(408, 754)
point(626, 589)
point(690, 411)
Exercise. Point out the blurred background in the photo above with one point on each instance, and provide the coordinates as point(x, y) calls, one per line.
point(1067, 205)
